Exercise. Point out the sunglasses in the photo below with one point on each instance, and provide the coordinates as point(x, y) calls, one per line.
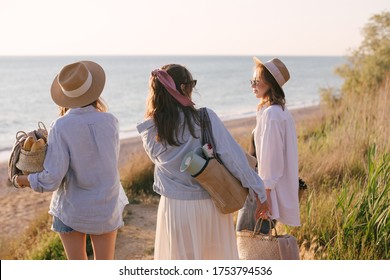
point(193, 83)
point(254, 82)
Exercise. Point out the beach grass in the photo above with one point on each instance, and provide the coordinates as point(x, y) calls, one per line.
point(137, 178)
point(345, 160)
point(38, 242)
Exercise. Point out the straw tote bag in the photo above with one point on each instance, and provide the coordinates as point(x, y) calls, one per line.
point(225, 190)
point(252, 245)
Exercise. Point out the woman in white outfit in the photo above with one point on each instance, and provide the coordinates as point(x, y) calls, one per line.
point(276, 148)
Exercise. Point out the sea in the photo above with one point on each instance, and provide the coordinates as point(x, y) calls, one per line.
point(222, 85)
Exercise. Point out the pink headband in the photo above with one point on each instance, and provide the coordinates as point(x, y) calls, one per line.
point(170, 86)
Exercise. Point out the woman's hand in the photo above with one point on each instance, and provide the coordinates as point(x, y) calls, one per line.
point(22, 181)
point(262, 209)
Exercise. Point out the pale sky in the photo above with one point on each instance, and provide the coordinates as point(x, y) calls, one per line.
point(180, 27)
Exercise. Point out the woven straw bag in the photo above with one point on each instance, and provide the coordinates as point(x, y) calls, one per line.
point(31, 162)
point(225, 190)
point(253, 245)
point(25, 162)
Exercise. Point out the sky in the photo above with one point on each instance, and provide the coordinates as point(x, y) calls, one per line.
point(180, 27)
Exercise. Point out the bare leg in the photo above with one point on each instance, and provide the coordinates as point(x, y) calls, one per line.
point(104, 245)
point(75, 245)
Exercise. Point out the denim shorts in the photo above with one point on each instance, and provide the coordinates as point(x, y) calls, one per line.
point(59, 226)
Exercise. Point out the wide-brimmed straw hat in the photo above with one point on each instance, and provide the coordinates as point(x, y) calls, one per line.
point(277, 69)
point(78, 84)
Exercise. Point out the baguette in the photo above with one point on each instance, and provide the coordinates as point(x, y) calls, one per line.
point(28, 143)
point(39, 144)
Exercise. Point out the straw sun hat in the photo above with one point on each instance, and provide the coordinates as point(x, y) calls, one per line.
point(78, 84)
point(277, 69)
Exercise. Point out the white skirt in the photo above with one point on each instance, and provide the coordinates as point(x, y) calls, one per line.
point(193, 230)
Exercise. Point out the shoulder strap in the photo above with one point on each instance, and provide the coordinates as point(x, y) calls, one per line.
point(207, 132)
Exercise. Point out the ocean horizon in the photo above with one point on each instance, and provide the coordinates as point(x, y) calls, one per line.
point(223, 85)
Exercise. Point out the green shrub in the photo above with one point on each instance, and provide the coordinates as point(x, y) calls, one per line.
point(39, 242)
point(369, 64)
point(49, 247)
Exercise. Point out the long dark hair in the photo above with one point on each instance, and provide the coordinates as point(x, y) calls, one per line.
point(165, 110)
point(275, 94)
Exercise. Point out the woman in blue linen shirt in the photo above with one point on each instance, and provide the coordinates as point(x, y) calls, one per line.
point(81, 164)
point(189, 226)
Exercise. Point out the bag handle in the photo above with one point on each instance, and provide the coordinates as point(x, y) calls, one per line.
point(42, 126)
point(207, 132)
point(41, 132)
point(20, 135)
point(271, 223)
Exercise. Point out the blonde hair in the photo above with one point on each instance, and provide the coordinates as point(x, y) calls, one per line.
point(99, 104)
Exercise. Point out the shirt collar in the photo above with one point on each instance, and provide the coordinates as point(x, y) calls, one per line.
point(81, 110)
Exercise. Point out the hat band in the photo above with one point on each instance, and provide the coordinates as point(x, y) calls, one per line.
point(81, 90)
point(276, 73)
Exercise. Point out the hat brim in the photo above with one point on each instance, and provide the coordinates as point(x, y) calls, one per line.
point(92, 94)
point(259, 62)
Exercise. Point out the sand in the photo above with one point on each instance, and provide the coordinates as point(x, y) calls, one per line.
point(19, 207)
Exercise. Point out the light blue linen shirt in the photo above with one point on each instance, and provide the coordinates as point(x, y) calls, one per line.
point(81, 167)
point(170, 182)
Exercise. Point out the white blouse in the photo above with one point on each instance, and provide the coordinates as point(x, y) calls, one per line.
point(277, 155)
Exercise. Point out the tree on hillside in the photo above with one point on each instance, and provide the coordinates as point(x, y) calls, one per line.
point(369, 64)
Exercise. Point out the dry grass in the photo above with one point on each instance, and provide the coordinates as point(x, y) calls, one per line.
point(34, 242)
point(336, 146)
point(137, 178)
point(344, 159)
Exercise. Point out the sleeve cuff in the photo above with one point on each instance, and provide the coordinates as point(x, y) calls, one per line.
point(33, 179)
point(269, 184)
